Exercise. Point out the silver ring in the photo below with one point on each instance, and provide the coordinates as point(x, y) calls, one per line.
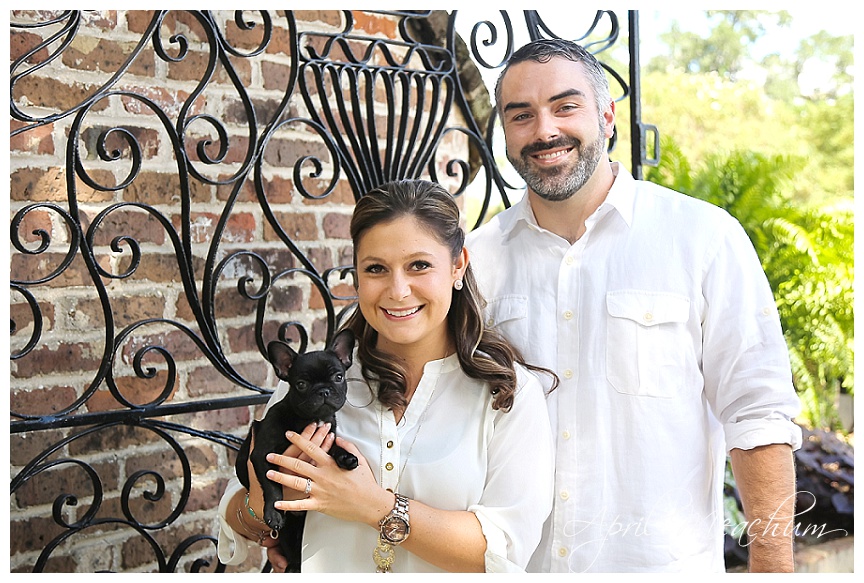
point(308, 486)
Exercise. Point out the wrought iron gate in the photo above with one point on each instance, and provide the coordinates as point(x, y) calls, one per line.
point(130, 386)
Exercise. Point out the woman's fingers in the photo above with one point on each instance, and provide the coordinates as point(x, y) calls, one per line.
point(309, 448)
point(299, 483)
point(311, 456)
point(291, 466)
point(317, 434)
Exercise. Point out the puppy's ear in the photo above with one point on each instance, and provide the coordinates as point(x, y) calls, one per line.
point(343, 346)
point(281, 356)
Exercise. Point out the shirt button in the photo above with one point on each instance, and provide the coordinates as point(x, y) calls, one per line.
point(562, 552)
point(389, 445)
point(766, 311)
point(565, 434)
point(565, 495)
point(490, 322)
point(568, 374)
point(569, 260)
point(648, 316)
point(568, 315)
point(389, 466)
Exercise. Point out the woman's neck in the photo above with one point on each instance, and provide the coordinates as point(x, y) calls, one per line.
point(414, 359)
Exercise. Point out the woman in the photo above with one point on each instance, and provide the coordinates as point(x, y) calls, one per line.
point(451, 430)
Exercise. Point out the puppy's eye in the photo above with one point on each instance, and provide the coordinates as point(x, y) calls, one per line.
point(338, 377)
point(302, 385)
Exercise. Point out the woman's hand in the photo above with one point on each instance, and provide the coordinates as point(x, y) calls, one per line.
point(351, 495)
point(320, 436)
point(452, 540)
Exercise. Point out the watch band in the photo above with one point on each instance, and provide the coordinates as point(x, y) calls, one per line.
point(394, 530)
point(396, 526)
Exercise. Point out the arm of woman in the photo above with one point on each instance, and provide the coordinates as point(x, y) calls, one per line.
point(238, 527)
point(519, 490)
point(451, 540)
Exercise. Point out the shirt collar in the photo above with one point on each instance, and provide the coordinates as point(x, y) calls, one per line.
point(621, 197)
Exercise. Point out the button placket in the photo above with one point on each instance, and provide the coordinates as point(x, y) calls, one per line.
point(389, 449)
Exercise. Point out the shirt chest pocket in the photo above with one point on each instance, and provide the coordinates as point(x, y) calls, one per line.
point(508, 315)
point(646, 342)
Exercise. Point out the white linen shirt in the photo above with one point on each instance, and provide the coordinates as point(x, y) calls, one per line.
point(663, 330)
point(466, 456)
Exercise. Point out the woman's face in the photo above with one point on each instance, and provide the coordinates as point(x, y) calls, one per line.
point(405, 283)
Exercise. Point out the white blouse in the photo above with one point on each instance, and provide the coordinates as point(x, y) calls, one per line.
point(452, 451)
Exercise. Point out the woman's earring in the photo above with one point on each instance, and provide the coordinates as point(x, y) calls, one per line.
point(457, 285)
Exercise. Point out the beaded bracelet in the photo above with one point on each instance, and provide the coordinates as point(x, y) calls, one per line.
point(252, 512)
point(274, 534)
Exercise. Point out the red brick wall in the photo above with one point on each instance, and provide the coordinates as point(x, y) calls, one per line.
point(61, 368)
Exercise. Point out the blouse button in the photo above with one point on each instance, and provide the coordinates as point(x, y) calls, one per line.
point(389, 466)
point(565, 434)
point(562, 552)
point(648, 316)
point(568, 315)
point(389, 445)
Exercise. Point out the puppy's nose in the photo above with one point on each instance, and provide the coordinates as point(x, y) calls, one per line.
point(324, 392)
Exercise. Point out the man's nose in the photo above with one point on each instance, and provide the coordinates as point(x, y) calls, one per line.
point(546, 127)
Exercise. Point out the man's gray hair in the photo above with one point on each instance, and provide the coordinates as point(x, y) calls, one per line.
point(543, 50)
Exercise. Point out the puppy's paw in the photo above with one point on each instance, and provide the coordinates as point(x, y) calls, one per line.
point(275, 519)
point(347, 461)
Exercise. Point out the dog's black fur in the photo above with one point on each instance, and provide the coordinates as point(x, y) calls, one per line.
point(318, 389)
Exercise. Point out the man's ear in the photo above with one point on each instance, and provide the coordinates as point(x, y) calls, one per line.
point(609, 119)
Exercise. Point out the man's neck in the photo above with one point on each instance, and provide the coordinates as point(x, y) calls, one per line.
point(567, 218)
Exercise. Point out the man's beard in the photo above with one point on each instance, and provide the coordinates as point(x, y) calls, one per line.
point(561, 182)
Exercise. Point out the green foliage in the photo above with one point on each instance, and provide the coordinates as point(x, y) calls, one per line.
point(724, 50)
point(807, 254)
point(709, 93)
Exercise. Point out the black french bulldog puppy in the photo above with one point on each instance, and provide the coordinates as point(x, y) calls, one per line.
point(317, 390)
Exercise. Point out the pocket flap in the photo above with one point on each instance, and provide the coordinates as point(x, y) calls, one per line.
point(504, 308)
point(648, 308)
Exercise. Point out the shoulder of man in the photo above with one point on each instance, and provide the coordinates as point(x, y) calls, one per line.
point(492, 230)
point(673, 200)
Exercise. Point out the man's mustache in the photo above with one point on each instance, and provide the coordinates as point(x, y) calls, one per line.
point(562, 142)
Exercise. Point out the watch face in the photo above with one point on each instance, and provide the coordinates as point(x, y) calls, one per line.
point(394, 529)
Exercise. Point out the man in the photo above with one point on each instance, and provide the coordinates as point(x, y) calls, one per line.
point(653, 309)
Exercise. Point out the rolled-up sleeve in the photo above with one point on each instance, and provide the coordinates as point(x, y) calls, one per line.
point(517, 497)
point(748, 377)
point(231, 547)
